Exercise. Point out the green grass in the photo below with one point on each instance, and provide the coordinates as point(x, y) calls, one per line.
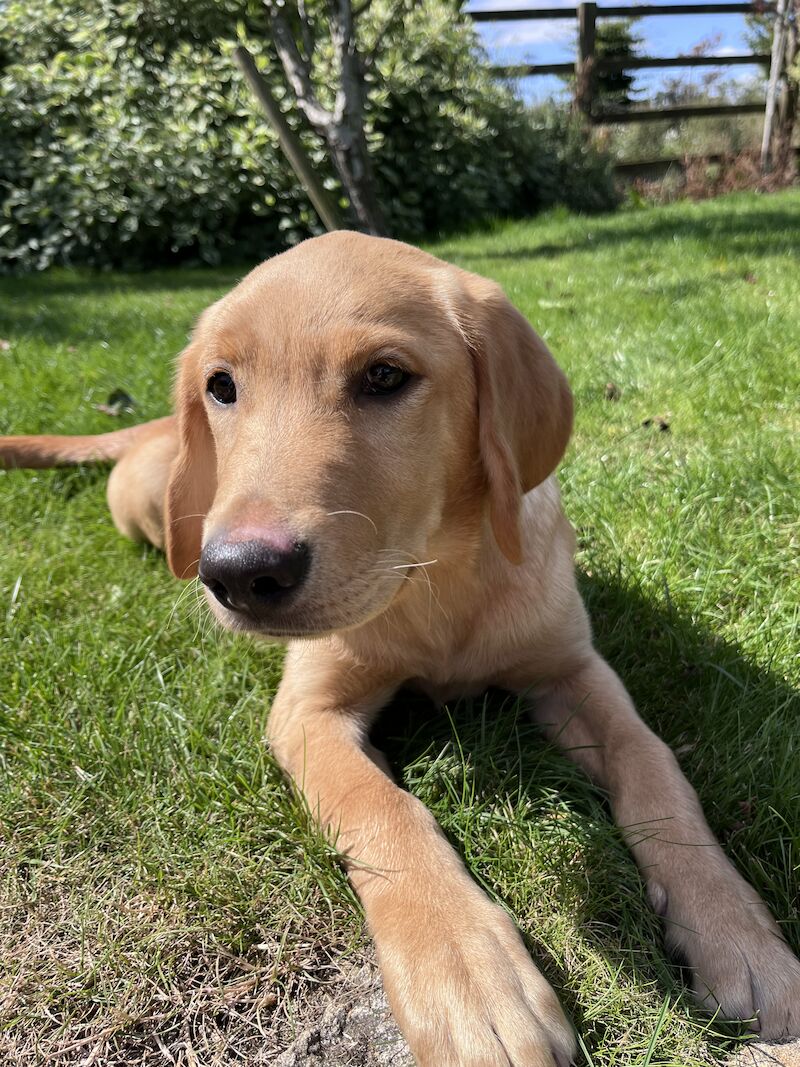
point(160, 883)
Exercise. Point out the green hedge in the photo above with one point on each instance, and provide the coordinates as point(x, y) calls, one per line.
point(128, 137)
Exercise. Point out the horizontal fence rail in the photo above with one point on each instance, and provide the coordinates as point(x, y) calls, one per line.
point(526, 70)
point(675, 114)
point(524, 14)
point(647, 62)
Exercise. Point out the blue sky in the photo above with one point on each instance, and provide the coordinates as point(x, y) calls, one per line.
point(554, 42)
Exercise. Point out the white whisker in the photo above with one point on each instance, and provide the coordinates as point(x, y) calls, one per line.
point(361, 515)
point(190, 587)
point(404, 565)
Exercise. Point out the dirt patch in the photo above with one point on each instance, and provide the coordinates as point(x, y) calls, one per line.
point(786, 1054)
point(356, 1029)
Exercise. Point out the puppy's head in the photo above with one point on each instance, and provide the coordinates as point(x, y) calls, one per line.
point(337, 410)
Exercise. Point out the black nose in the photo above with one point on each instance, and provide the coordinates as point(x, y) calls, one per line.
point(252, 576)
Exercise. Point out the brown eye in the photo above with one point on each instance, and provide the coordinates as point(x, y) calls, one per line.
point(382, 379)
point(222, 387)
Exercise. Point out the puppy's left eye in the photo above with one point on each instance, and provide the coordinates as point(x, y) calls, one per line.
point(382, 379)
point(222, 387)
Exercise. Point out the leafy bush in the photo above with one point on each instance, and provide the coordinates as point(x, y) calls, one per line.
point(451, 145)
point(582, 177)
point(119, 152)
point(130, 139)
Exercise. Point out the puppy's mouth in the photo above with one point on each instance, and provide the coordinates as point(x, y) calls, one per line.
point(244, 624)
point(289, 616)
point(278, 624)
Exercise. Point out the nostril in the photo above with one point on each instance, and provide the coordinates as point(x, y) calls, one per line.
point(282, 572)
point(219, 591)
point(265, 586)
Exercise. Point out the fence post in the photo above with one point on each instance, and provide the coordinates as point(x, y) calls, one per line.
point(585, 65)
point(775, 71)
point(787, 103)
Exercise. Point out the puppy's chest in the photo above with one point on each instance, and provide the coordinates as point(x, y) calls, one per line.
point(462, 667)
point(444, 692)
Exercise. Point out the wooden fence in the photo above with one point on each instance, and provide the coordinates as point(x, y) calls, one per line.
point(588, 64)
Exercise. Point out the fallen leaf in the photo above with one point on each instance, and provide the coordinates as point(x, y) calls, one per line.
point(117, 403)
point(658, 422)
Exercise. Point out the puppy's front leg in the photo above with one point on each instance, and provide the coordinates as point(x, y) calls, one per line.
point(715, 920)
point(457, 975)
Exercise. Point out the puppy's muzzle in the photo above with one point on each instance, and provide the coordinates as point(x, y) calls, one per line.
point(253, 577)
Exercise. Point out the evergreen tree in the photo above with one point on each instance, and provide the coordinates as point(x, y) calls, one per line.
point(613, 89)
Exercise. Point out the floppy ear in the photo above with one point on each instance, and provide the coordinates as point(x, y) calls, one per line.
point(193, 477)
point(524, 406)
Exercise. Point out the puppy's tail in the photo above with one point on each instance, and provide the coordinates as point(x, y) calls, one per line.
point(55, 451)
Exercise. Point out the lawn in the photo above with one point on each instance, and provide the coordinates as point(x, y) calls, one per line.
point(163, 897)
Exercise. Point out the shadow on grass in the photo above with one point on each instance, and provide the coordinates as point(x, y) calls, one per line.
point(754, 231)
point(61, 281)
point(49, 306)
point(731, 723)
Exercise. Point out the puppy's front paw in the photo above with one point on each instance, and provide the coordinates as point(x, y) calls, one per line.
point(740, 964)
point(466, 993)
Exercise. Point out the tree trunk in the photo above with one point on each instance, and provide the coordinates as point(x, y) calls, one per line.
point(323, 202)
point(348, 149)
point(345, 135)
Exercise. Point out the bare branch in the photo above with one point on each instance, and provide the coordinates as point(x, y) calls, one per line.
point(297, 69)
point(349, 104)
point(319, 196)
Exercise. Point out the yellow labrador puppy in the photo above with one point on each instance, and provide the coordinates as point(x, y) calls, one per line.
point(351, 410)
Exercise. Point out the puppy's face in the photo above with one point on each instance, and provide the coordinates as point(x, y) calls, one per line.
point(329, 421)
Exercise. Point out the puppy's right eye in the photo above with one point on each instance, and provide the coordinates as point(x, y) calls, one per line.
point(383, 379)
point(222, 387)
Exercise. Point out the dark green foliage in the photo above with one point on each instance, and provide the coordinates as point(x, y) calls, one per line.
point(758, 32)
point(118, 149)
point(614, 89)
point(583, 177)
